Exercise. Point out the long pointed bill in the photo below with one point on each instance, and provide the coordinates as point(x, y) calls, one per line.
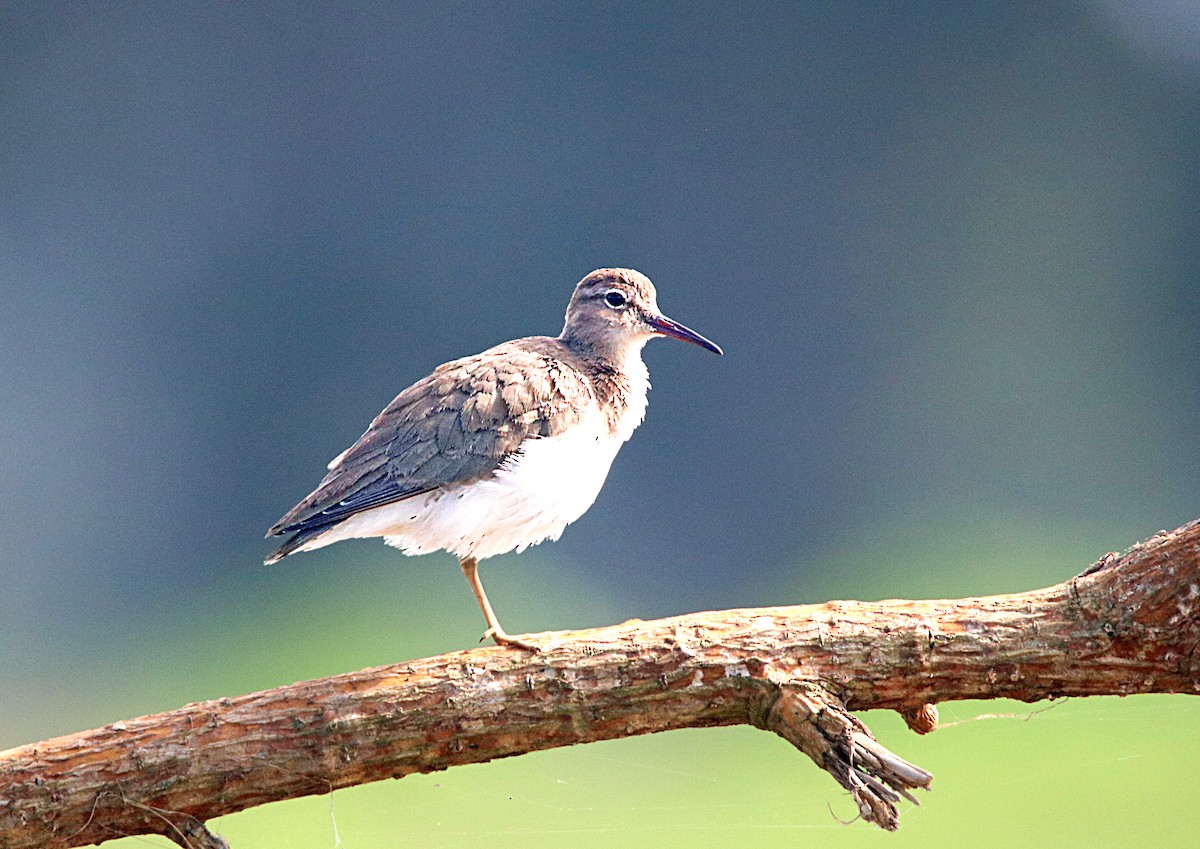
point(671, 327)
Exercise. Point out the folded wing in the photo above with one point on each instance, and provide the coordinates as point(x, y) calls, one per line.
point(458, 424)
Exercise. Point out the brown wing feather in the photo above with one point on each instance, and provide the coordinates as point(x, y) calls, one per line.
point(458, 424)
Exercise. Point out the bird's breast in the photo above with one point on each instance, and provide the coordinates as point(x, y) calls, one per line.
point(557, 478)
point(622, 394)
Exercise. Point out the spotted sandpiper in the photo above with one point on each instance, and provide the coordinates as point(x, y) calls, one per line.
point(501, 450)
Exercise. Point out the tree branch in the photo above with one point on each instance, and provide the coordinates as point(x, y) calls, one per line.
point(1129, 624)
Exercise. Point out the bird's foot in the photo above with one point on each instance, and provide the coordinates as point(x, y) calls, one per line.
point(501, 638)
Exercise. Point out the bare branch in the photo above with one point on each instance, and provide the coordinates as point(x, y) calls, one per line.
point(1129, 624)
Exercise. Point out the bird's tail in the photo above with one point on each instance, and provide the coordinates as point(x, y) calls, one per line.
point(299, 541)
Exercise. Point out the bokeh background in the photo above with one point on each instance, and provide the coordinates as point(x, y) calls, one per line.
point(950, 249)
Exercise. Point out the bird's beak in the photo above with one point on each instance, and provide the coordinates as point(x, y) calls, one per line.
point(671, 327)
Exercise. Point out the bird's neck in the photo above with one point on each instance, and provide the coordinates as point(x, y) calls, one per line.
point(619, 379)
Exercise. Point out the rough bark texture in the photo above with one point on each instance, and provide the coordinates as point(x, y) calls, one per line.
point(1129, 624)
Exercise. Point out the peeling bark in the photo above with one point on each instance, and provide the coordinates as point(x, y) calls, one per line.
point(1129, 624)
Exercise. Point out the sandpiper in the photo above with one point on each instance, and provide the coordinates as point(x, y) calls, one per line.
point(499, 451)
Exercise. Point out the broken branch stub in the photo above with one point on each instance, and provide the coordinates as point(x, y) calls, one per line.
point(819, 725)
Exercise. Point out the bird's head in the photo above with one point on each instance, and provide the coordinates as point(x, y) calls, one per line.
point(614, 308)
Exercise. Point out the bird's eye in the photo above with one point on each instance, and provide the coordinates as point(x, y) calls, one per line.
point(615, 298)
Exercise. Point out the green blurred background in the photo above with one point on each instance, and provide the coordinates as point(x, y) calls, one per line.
point(951, 252)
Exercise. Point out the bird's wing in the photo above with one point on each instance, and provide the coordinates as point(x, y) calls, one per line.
point(458, 424)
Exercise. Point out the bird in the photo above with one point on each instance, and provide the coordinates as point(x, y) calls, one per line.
point(501, 450)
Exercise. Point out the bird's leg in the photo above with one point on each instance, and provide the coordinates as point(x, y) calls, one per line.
point(470, 567)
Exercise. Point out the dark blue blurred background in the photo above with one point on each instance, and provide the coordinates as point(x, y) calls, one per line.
point(951, 253)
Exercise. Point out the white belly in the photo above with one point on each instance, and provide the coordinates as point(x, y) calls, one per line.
point(545, 486)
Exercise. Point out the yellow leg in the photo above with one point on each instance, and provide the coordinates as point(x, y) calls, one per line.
point(470, 567)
